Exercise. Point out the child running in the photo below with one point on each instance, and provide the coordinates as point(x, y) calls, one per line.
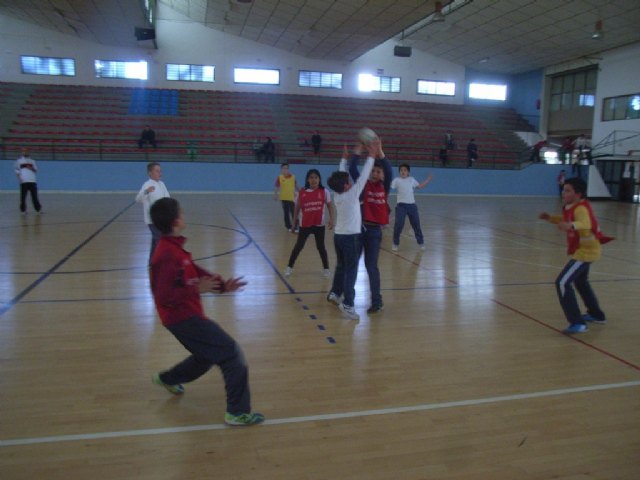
point(348, 230)
point(310, 208)
point(406, 206)
point(583, 244)
point(177, 283)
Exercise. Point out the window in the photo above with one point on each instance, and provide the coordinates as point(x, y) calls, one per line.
point(487, 92)
point(431, 87)
point(624, 107)
point(261, 76)
point(373, 83)
point(573, 90)
point(115, 69)
point(48, 66)
point(190, 73)
point(319, 79)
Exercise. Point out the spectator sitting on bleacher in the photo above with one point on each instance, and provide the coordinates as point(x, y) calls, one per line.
point(268, 151)
point(148, 136)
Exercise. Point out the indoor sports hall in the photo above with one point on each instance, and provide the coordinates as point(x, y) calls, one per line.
point(465, 374)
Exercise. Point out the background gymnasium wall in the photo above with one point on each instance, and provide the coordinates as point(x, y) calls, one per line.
point(180, 40)
point(619, 74)
point(536, 180)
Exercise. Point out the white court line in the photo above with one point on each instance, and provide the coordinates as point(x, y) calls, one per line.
point(315, 418)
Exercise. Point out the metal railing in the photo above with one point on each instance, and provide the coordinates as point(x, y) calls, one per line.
point(207, 151)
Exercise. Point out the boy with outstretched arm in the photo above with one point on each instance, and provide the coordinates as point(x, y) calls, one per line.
point(348, 229)
point(584, 241)
point(177, 283)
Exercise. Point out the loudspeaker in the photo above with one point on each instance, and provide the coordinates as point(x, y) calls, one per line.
point(400, 51)
point(145, 33)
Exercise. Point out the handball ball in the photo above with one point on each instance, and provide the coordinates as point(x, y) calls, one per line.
point(366, 135)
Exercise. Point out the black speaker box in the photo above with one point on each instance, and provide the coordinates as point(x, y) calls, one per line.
point(145, 33)
point(400, 51)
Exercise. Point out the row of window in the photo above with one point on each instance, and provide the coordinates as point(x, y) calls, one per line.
point(206, 73)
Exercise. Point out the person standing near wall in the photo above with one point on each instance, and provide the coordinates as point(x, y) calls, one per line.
point(472, 152)
point(26, 168)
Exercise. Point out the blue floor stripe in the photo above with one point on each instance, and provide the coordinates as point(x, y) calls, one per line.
point(9, 305)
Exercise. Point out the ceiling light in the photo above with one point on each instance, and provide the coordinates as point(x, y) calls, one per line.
point(598, 32)
point(438, 16)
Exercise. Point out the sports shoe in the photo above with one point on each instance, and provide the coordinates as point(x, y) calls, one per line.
point(333, 298)
point(421, 247)
point(175, 389)
point(394, 248)
point(349, 311)
point(576, 328)
point(243, 419)
point(326, 273)
point(590, 318)
point(288, 271)
point(375, 308)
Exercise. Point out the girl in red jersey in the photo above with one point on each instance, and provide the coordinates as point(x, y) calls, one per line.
point(310, 208)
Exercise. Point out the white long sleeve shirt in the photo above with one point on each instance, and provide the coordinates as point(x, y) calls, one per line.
point(26, 175)
point(148, 199)
point(347, 204)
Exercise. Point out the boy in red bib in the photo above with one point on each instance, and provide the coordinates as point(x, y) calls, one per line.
point(584, 241)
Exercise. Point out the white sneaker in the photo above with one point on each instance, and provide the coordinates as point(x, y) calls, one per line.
point(326, 273)
point(394, 248)
point(349, 312)
point(288, 271)
point(333, 298)
point(422, 247)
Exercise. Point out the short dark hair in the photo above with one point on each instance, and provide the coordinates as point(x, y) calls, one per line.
point(164, 212)
point(337, 181)
point(285, 164)
point(405, 165)
point(150, 166)
point(578, 184)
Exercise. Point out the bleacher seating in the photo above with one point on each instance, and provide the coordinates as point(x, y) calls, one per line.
point(106, 121)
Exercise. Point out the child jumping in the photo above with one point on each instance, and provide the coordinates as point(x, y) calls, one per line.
point(583, 244)
point(310, 208)
point(348, 230)
point(406, 206)
point(176, 283)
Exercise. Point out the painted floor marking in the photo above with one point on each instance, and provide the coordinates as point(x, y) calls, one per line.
point(322, 417)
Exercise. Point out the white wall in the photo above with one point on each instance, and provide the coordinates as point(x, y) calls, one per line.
point(181, 40)
point(619, 75)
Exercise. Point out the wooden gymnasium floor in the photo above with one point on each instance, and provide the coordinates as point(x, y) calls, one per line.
point(465, 375)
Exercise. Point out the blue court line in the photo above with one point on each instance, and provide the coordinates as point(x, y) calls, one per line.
point(318, 292)
point(264, 255)
point(9, 305)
